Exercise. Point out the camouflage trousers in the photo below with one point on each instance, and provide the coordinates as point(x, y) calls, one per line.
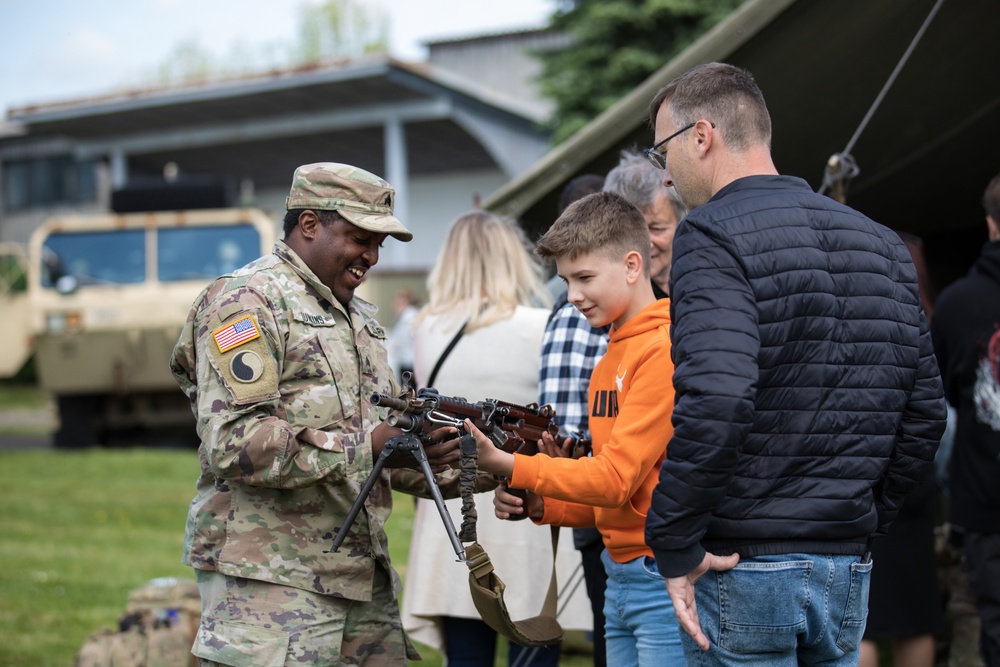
point(249, 623)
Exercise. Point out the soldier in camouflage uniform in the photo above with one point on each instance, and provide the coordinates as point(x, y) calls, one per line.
point(280, 361)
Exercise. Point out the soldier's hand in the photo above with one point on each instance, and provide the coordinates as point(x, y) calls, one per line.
point(442, 448)
point(399, 458)
point(550, 446)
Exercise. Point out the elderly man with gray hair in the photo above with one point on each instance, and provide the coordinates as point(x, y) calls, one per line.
point(642, 184)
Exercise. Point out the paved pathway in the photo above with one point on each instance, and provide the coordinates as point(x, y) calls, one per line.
point(27, 428)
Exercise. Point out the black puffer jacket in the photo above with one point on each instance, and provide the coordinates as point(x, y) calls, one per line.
point(808, 399)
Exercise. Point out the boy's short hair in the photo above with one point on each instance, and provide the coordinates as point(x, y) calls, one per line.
point(603, 222)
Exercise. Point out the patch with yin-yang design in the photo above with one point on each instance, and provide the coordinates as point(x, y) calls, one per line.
point(248, 370)
point(246, 366)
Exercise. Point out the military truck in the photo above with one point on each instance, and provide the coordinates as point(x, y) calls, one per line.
point(102, 303)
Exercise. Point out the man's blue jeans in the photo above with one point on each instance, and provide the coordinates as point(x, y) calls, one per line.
point(639, 620)
point(783, 611)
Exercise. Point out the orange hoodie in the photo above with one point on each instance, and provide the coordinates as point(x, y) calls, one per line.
point(631, 398)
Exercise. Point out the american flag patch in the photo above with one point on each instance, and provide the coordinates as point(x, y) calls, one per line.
point(235, 334)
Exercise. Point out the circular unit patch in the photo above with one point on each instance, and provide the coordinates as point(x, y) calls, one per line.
point(247, 366)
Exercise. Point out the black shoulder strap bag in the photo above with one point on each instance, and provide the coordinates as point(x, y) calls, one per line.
point(444, 355)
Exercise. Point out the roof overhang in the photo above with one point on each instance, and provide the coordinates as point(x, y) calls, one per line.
point(263, 126)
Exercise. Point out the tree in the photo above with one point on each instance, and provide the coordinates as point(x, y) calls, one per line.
point(616, 44)
point(333, 29)
point(189, 61)
point(340, 29)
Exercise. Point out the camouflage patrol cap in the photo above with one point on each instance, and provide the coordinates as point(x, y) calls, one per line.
point(360, 197)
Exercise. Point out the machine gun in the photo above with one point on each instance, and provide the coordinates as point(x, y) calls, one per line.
point(512, 428)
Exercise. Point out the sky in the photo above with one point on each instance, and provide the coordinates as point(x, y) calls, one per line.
point(57, 50)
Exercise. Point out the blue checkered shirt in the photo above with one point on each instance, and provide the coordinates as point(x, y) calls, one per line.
point(570, 350)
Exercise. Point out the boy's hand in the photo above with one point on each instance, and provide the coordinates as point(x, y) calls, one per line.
point(491, 459)
point(506, 504)
point(548, 445)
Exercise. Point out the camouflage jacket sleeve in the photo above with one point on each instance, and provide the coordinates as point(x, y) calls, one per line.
point(283, 407)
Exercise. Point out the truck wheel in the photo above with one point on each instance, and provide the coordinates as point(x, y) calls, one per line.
point(78, 422)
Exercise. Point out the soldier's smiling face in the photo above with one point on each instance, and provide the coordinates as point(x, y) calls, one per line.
point(342, 255)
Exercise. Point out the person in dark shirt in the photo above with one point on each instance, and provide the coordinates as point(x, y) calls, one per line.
point(966, 332)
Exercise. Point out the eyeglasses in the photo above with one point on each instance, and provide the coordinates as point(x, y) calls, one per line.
point(658, 159)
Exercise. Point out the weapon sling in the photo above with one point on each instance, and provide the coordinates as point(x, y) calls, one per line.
point(486, 587)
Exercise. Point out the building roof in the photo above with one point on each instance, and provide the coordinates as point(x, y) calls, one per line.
point(488, 36)
point(343, 108)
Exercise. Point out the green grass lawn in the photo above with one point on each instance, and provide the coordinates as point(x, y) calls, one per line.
point(16, 395)
point(81, 529)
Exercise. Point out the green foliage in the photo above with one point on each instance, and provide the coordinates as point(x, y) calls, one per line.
point(339, 29)
point(20, 391)
point(189, 61)
point(13, 270)
point(616, 45)
point(333, 29)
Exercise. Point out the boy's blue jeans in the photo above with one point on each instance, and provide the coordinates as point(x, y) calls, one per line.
point(640, 624)
point(782, 611)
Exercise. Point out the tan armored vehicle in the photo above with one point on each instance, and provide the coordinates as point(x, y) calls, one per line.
point(105, 299)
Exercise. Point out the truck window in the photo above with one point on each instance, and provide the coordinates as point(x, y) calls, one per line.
point(200, 253)
point(114, 257)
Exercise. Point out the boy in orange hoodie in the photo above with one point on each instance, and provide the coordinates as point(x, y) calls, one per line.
point(601, 248)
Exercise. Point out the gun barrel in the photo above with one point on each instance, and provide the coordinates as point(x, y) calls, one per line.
point(404, 421)
point(391, 402)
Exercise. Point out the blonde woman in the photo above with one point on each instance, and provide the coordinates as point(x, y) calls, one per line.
point(484, 280)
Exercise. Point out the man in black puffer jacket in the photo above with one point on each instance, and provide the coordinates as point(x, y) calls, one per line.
point(808, 399)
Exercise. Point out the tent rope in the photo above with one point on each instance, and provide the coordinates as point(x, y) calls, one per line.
point(842, 167)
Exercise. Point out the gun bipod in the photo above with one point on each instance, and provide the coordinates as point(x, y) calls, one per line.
point(405, 442)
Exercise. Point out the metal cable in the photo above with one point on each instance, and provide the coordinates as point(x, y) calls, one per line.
point(845, 155)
